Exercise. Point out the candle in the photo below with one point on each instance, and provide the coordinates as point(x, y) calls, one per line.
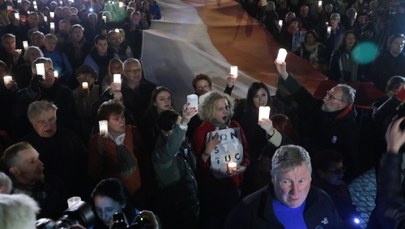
point(73, 201)
point(117, 78)
point(45, 19)
point(282, 54)
point(17, 16)
point(25, 45)
point(52, 25)
point(7, 79)
point(320, 3)
point(192, 101)
point(329, 29)
point(85, 85)
point(234, 71)
point(55, 73)
point(232, 166)
point(280, 23)
point(40, 67)
point(264, 112)
point(52, 15)
point(103, 127)
point(104, 18)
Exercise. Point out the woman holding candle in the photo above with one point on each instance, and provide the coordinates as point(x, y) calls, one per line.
point(85, 96)
point(116, 154)
point(115, 66)
point(220, 189)
point(174, 163)
point(259, 133)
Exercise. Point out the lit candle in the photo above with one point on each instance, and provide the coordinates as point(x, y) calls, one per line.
point(117, 82)
point(17, 16)
point(282, 54)
point(120, 4)
point(45, 19)
point(117, 78)
point(320, 3)
point(232, 166)
point(25, 45)
point(85, 85)
point(55, 73)
point(104, 18)
point(329, 29)
point(192, 101)
point(40, 67)
point(280, 23)
point(73, 201)
point(103, 127)
point(264, 112)
point(52, 15)
point(52, 26)
point(234, 71)
point(7, 79)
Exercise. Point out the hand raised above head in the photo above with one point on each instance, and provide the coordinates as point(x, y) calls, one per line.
point(395, 136)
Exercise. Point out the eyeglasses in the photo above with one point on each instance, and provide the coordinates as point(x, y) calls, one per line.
point(338, 171)
point(329, 95)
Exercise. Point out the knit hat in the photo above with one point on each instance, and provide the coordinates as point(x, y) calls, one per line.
point(85, 69)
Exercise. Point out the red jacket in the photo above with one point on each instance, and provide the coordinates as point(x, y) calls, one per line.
point(204, 168)
point(103, 160)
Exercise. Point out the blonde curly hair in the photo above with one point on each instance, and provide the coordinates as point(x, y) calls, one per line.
point(207, 103)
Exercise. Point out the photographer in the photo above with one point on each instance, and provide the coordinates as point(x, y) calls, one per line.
point(108, 198)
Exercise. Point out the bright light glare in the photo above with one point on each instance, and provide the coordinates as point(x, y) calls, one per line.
point(356, 220)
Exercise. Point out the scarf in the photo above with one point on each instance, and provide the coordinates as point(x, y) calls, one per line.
point(126, 164)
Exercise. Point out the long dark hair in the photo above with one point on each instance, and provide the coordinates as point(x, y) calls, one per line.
point(342, 43)
point(253, 89)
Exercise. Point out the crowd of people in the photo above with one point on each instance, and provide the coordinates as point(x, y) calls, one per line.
point(80, 119)
point(339, 38)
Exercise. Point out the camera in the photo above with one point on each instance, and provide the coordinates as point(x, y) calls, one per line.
point(120, 222)
point(78, 214)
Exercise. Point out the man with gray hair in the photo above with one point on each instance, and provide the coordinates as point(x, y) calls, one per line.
point(329, 123)
point(289, 201)
point(17, 211)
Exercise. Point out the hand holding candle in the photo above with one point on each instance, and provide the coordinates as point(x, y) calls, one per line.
point(103, 127)
point(280, 23)
point(117, 82)
point(25, 45)
point(7, 79)
point(264, 112)
point(40, 69)
point(85, 86)
point(282, 54)
point(234, 71)
point(232, 167)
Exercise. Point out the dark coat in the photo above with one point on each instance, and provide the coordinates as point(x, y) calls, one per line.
point(65, 156)
point(324, 130)
point(256, 211)
point(384, 67)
